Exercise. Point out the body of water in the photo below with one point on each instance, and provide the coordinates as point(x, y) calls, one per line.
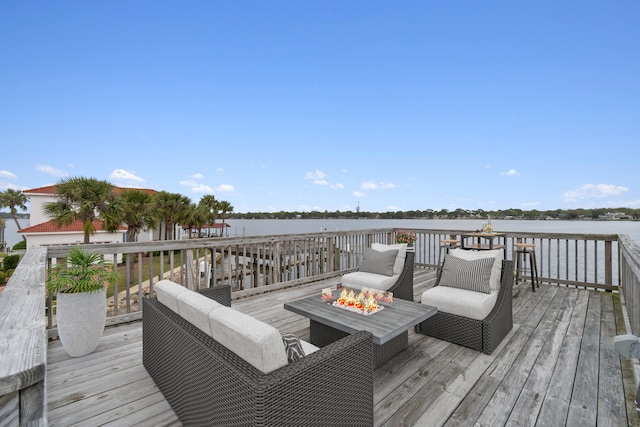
point(262, 227)
point(11, 235)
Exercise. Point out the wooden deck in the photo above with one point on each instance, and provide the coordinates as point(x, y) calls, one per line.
point(556, 368)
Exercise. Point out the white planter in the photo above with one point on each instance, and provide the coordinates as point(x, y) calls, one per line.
point(81, 318)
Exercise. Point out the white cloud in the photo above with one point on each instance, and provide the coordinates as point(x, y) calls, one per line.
point(187, 183)
point(590, 191)
point(197, 176)
point(7, 185)
point(511, 172)
point(318, 175)
point(122, 176)
point(8, 175)
point(392, 208)
point(359, 194)
point(49, 170)
point(369, 185)
point(220, 170)
point(225, 188)
point(202, 189)
point(320, 178)
point(373, 185)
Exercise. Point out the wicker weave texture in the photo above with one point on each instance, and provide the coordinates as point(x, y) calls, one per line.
point(322, 335)
point(403, 288)
point(208, 385)
point(484, 335)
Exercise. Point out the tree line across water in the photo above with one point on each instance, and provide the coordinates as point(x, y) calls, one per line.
point(563, 214)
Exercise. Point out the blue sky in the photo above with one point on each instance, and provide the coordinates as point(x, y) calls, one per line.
point(289, 105)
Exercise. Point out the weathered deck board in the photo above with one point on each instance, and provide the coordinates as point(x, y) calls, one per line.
point(557, 367)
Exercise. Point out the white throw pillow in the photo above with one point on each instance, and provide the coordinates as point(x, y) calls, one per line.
point(496, 271)
point(402, 254)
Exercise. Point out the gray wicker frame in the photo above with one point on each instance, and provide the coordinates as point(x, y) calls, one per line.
point(403, 288)
point(482, 335)
point(208, 385)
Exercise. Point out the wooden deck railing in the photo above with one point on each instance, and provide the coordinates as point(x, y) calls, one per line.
point(255, 265)
point(261, 264)
point(630, 280)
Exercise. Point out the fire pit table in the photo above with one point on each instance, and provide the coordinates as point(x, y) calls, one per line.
point(389, 327)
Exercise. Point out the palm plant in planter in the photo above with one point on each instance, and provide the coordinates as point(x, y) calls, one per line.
point(80, 285)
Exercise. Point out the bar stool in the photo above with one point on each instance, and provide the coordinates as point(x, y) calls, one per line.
point(445, 245)
point(524, 251)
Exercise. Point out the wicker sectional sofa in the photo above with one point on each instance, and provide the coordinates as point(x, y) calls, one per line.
point(208, 384)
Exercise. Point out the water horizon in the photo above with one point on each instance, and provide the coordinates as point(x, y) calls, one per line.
point(263, 227)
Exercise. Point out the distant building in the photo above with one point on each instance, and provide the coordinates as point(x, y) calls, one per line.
point(43, 232)
point(614, 216)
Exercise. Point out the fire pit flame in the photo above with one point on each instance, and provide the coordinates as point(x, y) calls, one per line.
point(367, 301)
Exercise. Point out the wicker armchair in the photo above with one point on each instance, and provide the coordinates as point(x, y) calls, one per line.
point(482, 335)
point(207, 384)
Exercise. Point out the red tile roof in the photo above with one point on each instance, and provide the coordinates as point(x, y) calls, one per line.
point(51, 189)
point(76, 227)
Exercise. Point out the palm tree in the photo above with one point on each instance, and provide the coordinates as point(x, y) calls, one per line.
point(170, 208)
point(1, 233)
point(137, 210)
point(194, 217)
point(14, 199)
point(225, 207)
point(210, 205)
point(85, 200)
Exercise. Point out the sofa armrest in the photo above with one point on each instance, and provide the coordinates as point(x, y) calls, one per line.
point(324, 386)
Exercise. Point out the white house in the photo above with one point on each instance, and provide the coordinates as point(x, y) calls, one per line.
point(43, 232)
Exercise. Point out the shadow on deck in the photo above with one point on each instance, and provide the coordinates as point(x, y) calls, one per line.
point(557, 367)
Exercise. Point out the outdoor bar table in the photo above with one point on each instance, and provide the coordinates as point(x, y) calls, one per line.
point(484, 241)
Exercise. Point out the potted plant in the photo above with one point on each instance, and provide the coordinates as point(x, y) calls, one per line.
point(405, 236)
point(80, 286)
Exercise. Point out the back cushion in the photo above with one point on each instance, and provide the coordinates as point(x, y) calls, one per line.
point(195, 308)
point(258, 343)
point(400, 257)
point(378, 262)
point(469, 275)
point(496, 271)
point(167, 293)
